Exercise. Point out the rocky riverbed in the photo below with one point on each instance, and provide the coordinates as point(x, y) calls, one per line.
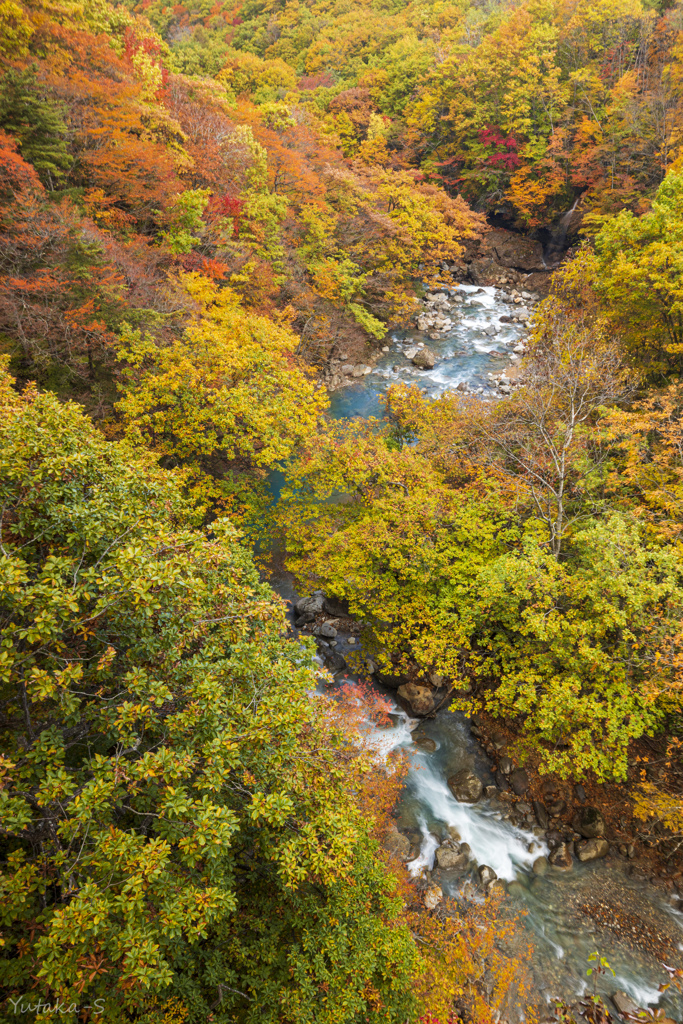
point(474, 820)
point(496, 321)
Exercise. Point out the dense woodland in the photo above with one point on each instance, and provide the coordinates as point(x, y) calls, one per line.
point(201, 204)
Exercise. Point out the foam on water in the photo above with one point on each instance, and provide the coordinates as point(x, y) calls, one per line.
point(496, 843)
point(639, 992)
point(428, 848)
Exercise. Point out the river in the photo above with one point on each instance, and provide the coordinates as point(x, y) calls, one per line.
point(567, 914)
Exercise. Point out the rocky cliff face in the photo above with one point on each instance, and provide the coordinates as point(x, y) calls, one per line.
point(502, 257)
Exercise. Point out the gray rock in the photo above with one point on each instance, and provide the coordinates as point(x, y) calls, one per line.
point(498, 740)
point(347, 369)
point(420, 699)
point(557, 808)
point(360, 370)
point(486, 874)
point(580, 793)
point(392, 682)
point(519, 780)
point(335, 606)
point(495, 885)
point(506, 765)
point(589, 823)
point(425, 743)
point(541, 814)
point(312, 605)
point(625, 1004)
point(591, 849)
point(540, 866)
point(334, 661)
point(432, 897)
point(410, 353)
point(561, 857)
point(466, 787)
point(451, 859)
point(328, 630)
point(549, 787)
point(424, 359)
point(397, 844)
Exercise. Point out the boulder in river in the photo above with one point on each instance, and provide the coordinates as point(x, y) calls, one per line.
point(396, 843)
point(561, 857)
point(424, 742)
point(466, 787)
point(420, 699)
point(451, 859)
point(541, 814)
point(334, 661)
point(424, 359)
point(392, 682)
point(589, 823)
point(486, 874)
point(540, 866)
point(519, 780)
point(625, 1004)
point(432, 897)
point(591, 849)
point(310, 605)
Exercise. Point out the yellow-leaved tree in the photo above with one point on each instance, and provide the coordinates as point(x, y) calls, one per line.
point(228, 401)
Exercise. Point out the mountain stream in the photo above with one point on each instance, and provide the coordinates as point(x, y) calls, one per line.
point(567, 914)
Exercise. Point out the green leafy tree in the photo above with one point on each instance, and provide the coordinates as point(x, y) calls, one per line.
point(37, 124)
point(176, 815)
point(638, 275)
point(453, 569)
point(185, 219)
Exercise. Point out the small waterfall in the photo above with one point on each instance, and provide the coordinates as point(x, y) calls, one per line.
point(558, 238)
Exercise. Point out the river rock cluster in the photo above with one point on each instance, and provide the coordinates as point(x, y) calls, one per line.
point(439, 313)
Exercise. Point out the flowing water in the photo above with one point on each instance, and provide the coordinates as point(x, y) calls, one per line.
point(558, 910)
point(568, 915)
point(465, 355)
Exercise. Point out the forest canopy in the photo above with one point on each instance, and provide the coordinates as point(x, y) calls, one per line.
point(212, 215)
